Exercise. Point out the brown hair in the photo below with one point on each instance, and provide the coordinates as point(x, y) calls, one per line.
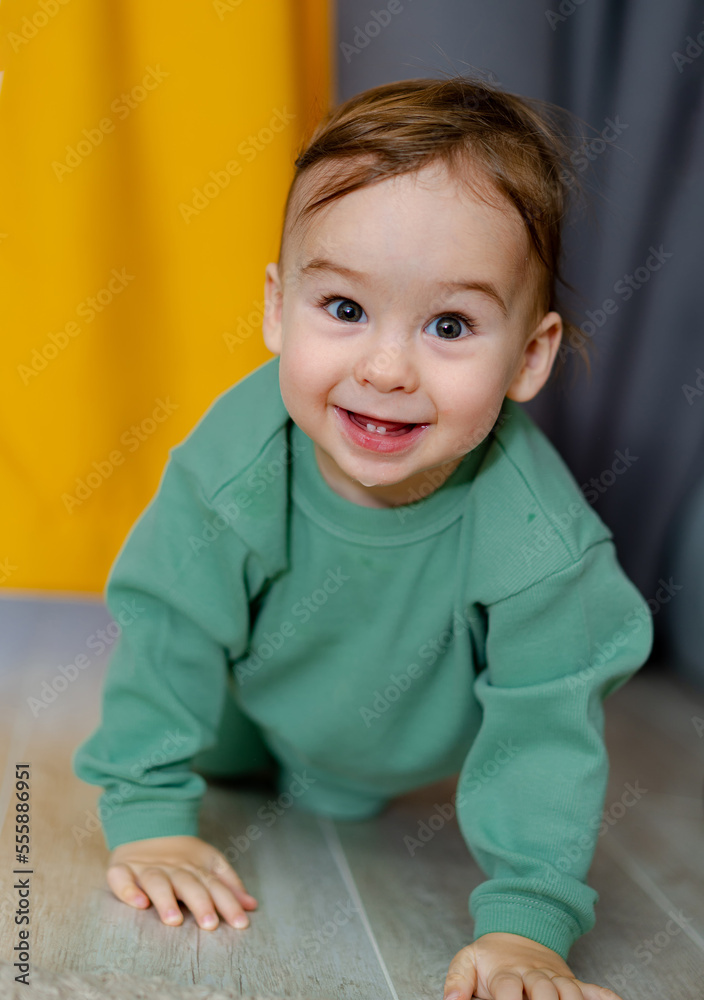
point(401, 127)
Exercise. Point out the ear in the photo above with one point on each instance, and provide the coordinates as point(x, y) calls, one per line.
point(537, 360)
point(273, 306)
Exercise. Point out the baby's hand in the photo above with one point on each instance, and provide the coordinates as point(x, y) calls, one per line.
point(184, 867)
point(500, 966)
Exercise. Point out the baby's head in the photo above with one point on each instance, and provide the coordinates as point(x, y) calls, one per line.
point(416, 279)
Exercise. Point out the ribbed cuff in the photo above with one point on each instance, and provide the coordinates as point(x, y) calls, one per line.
point(155, 819)
point(538, 921)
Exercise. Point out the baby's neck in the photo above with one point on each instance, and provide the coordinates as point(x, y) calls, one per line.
point(378, 496)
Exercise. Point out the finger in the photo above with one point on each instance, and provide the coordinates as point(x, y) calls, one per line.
point(567, 988)
point(229, 877)
point(227, 904)
point(461, 979)
point(590, 991)
point(509, 986)
point(540, 986)
point(560, 988)
point(227, 874)
point(157, 886)
point(189, 888)
point(121, 880)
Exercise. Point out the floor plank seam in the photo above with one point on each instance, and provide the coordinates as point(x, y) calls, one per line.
point(338, 854)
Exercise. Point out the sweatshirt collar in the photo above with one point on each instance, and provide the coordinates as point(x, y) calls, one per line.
point(379, 526)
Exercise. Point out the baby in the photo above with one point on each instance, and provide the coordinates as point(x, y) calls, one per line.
point(366, 569)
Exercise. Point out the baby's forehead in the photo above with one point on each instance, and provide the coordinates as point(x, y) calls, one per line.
point(312, 220)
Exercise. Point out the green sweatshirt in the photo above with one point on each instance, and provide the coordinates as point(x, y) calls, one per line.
point(370, 651)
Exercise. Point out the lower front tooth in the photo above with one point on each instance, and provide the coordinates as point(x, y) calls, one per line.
point(379, 430)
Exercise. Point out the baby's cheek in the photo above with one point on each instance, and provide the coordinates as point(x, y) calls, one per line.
point(468, 437)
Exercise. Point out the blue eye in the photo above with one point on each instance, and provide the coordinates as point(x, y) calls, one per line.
point(451, 326)
point(348, 312)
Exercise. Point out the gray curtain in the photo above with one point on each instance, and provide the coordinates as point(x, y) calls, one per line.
point(635, 73)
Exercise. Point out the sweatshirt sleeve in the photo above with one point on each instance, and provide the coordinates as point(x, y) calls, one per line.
point(531, 791)
point(179, 590)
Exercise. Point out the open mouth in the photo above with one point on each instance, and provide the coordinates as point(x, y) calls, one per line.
point(384, 437)
point(374, 425)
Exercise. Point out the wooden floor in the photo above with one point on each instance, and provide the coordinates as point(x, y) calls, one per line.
point(344, 911)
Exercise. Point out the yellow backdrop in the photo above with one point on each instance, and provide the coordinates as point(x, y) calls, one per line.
point(147, 151)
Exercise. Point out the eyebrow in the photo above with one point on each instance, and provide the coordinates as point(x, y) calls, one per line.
point(322, 264)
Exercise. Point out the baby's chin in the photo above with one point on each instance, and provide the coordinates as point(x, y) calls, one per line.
point(378, 480)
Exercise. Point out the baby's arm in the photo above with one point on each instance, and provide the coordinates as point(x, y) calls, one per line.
point(532, 788)
point(184, 608)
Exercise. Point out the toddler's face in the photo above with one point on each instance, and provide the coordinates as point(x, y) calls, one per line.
point(370, 317)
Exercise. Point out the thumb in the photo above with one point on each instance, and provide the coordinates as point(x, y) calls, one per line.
point(461, 978)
